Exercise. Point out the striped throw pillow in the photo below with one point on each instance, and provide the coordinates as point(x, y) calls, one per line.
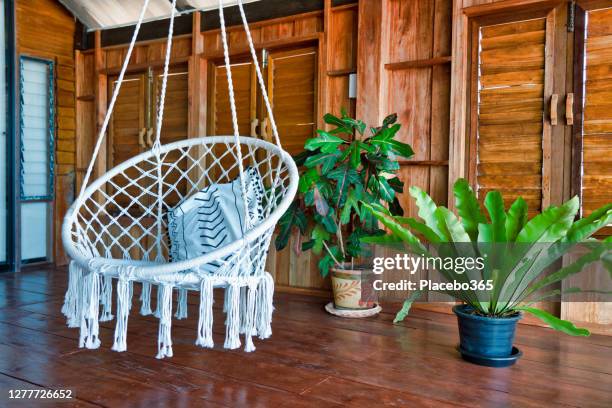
point(214, 217)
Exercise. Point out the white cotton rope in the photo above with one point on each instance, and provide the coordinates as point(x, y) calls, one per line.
point(205, 321)
point(181, 308)
point(111, 106)
point(164, 341)
point(262, 84)
point(230, 86)
point(157, 144)
point(123, 310)
point(107, 299)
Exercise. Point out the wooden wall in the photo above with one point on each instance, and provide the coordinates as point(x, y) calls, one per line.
point(45, 29)
point(557, 170)
point(404, 52)
point(414, 75)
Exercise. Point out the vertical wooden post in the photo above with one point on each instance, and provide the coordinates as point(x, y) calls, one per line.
point(101, 92)
point(459, 80)
point(197, 92)
point(324, 57)
point(197, 81)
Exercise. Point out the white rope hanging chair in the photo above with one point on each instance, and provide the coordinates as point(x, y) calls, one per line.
point(117, 228)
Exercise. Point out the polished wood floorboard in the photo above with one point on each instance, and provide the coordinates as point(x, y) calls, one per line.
point(312, 360)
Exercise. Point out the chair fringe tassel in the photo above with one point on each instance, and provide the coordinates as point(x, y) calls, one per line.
point(145, 299)
point(107, 299)
point(123, 311)
point(164, 341)
point(90, 304)
point(205, 322)
point(263, 317)
point(232, 329)
point(181, 310)
point(248, 305)
point(72, 299)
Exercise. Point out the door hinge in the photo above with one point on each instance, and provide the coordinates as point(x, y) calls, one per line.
point(264, 58)
point(571, 16)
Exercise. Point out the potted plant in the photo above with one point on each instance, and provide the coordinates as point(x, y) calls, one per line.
point(515, 253)
point(342, 168)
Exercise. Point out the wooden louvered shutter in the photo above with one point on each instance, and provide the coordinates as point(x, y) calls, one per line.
point(245, 93)
point(510, 143)
point(127, 122)
point(128, 119)
point(292, 85)
point(176, 108)
point(593, 133)
point(175, 123)
point(243, 81)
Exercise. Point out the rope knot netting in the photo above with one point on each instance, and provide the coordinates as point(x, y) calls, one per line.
point(118, 228)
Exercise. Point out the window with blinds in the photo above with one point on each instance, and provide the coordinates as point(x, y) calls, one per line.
point(36, 129)
point(36, 138)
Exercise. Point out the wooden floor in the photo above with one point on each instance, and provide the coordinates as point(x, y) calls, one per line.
point(313, 359)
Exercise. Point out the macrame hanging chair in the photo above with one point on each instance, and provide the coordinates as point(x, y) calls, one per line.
point(117, 228)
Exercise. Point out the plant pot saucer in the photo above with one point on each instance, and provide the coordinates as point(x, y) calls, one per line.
point(354, 314)
point(491, 361)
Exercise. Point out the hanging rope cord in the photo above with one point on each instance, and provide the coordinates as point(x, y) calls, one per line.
point(262, 84)
point(230, 86)
point(111, 106)
point(157, 143)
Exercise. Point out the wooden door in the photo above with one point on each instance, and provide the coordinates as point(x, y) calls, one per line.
point(245, 89)
point(174, 127)
point(291, 80)
point(292, 89)
point(128, 119)
point(176, 108)
point(127, 129)
point(220, 116)
point(513, 104)
point(593, 108)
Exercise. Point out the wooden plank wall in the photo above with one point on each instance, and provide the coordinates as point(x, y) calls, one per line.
point(406, 47)
point(44, 29)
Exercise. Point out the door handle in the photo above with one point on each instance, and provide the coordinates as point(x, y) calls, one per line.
point(264, 129)
point(569, 108)
point(149, 139)
point(254, 124)
point(141, 140)
point(554, 101)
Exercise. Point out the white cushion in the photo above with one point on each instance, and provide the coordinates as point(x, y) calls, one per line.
point(214, 217)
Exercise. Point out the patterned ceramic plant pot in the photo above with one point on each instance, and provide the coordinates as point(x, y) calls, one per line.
point(353, 288)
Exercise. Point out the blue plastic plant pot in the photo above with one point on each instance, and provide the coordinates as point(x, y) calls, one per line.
point(487, 340)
